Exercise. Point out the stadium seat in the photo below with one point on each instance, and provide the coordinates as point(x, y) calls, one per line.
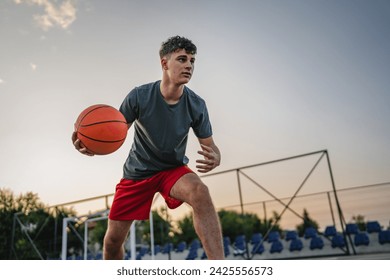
point(142, 251)
point(316, 243)
point(384, 237)
point(273, 236)
point(373, 226)
point(239, 245)
point(256, 241)
point(338, 241)
point(204, 256)
point(361, 238)
point(256, 238)
point(276, 246)
point(192, 254)
point(310, 232)
point(291, 235)
point(167, 248)
point(193, 250)
point(352, 229)
point(157, 249)
point(181, 247)
point(296, 245)
point(226, 244)
point(330, 231)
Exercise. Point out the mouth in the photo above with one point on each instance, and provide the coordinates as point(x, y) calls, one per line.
point(187, 74)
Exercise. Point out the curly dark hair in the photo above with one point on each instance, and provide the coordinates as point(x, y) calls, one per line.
point(175, 43)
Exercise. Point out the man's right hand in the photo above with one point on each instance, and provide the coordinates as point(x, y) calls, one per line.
point(79, 146)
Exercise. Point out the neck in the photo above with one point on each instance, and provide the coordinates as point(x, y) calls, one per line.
point(171, 92)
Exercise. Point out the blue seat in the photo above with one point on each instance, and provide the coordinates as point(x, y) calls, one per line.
point(373, 226)
point(310, 232)
point(384, 237)
point(258, 248)
point(351, 228)
point(291, 235)
point(226, 245)
point(273, 236)
point(167, 248)
point(142, 251)
point(316, 243)
point(296, 245)
point(276, 247)
point(181, 247)
point(195, 244)
point(330, 231)
point(192, 254)
point(239, 245)
point(361, 238)
point(157, 249)
point(256, 238)
point(338, 241)
point(204, 256)
point(256, 241)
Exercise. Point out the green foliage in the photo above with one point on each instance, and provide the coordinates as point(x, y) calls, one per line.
point(307, 222)
point(360, 222)
point(161, 227)
point(27, 228)
point(186, 231)
point(234, 224)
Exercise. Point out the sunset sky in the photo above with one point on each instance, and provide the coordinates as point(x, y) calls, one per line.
point(280, 78)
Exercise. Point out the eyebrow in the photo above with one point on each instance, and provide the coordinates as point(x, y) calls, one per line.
point(185, 56)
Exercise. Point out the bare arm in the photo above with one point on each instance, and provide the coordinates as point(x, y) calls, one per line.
point(211, 155)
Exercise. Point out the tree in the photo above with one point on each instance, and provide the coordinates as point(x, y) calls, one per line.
point(161, 227)
point(185, 231)
point(360, 222)
point(306, 223)
point(234, 224)
point(28, 229)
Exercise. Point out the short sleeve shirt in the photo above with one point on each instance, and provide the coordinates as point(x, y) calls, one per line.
point(160, 129)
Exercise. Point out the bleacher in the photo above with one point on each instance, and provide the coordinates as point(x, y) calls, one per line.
point(289, 245)
point(277, 245)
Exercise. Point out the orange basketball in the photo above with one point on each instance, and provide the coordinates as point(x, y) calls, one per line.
point(101, 128)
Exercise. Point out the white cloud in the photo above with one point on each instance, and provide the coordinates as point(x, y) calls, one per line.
point(33, 66)
point(61, 15)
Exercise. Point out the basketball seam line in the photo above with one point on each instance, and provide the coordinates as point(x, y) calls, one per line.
point(90, 124)
point(103, 141)
point(102, 106)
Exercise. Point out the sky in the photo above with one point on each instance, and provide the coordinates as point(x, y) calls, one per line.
point(280, 78)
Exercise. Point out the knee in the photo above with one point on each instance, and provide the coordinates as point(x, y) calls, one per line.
point(111, 242)
point(200, 195)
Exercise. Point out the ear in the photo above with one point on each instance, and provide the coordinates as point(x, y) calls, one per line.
point(164, 63)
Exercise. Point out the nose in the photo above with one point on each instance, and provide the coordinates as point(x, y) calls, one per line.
point(189, 66)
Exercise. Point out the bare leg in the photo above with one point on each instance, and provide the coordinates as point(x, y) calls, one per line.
point(191, 190)
point(113, 240)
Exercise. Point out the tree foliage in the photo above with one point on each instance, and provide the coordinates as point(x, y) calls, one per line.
point(28, 227)
point(306, 223)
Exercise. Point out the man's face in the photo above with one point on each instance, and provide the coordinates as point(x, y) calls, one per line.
point(179, 66)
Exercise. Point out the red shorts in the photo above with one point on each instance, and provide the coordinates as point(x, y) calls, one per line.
point(133, 198)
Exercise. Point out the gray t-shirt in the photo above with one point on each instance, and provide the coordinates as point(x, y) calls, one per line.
point(161, 130)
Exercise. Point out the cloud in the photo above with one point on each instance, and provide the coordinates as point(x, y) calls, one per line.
point(55, 14)
point(2, 81)
point(33, 66)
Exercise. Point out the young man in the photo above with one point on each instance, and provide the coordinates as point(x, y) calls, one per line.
point(163, 113)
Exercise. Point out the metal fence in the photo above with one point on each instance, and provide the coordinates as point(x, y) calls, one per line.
point(283, 188)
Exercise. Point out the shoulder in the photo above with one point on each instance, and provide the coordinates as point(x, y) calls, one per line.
point(146, 88)
point(193, 98)
point(144, 91)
